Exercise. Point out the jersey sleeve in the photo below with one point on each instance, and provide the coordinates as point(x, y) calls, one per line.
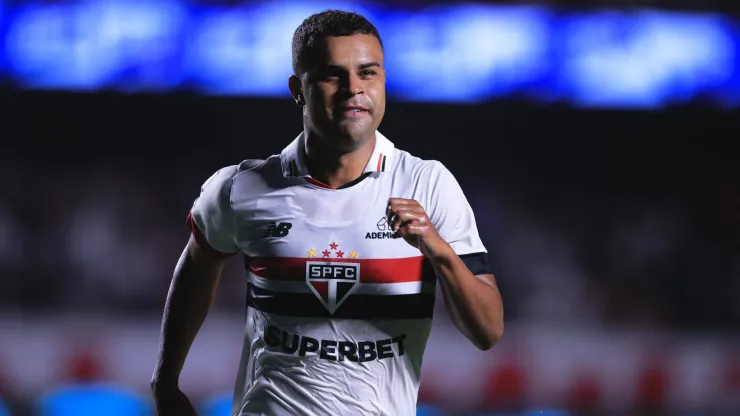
point(453, 217)
point(211, 220)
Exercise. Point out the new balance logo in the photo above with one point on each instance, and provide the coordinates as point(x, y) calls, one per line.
point(277, 230)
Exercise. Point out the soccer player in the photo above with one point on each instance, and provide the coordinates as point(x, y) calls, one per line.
point(345, 239)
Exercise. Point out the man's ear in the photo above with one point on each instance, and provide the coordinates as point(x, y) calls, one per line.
point(296, 90)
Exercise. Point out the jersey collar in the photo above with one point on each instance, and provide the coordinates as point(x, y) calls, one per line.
point(293, 157)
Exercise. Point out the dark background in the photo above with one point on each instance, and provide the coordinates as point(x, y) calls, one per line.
point(615, 237)
point(639, 211)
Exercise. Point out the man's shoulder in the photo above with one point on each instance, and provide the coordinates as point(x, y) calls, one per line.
point(258, 166)
point(247, 167)
point(418, 169)
point(246, 171)
point(254, 177)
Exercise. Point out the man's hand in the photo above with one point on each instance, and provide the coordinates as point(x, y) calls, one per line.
point(172, 402)
point(409, 221)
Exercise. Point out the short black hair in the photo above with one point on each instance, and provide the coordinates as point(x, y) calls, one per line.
point(327, 23)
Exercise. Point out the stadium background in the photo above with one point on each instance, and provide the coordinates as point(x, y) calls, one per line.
point(593, 139)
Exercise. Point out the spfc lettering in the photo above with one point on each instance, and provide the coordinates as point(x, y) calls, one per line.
point(338, 271)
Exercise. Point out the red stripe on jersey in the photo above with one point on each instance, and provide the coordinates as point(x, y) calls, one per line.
point(409, 269)
point(319, 183)
point(380, 161)
point(201, 239)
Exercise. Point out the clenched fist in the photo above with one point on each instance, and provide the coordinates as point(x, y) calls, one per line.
point(409, 221)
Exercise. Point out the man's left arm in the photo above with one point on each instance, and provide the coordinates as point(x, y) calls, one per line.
point(448, 237)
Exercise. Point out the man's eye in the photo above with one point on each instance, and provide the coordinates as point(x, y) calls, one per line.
point(328, 76)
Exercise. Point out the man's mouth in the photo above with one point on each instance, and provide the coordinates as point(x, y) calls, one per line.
point(354, 111)
point(354, 108)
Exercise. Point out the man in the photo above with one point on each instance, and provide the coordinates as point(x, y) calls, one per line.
point(345, 238)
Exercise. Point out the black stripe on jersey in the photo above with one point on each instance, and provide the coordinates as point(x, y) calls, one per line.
point(382, 168)
point(366, 307)
point(477, 263)
point(355, 182)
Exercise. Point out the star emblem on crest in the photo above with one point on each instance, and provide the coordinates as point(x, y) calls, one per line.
point(333, 252)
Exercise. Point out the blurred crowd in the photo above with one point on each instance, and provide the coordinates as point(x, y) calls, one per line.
point(106, 240)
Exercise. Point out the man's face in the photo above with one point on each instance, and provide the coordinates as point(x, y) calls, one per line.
point(345, 90)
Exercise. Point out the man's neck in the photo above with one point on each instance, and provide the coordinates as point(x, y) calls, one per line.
point(336, 168)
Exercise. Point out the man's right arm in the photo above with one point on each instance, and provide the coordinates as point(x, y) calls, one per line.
point(193, 287)
point(190, 297)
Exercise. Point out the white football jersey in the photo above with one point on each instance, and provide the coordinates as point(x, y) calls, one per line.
point(339, 312)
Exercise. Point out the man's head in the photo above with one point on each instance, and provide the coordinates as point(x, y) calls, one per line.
point(339, 77)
